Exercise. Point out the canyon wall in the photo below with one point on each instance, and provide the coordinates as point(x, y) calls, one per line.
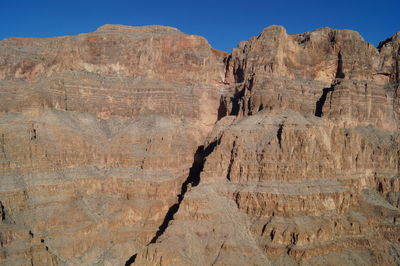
point(145, 146)
point(98, 132)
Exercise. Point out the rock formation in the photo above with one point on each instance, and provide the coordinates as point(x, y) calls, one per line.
point(145, 146)
point(98, 132)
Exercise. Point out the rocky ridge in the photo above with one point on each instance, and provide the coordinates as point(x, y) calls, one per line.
point(143, 145)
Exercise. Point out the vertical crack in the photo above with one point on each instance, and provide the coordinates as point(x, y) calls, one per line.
point(33, 133)
point(339, 70)
point(227, 61)
point(2, 212)
point(228, 175)
point(235, 100)
point(222, 108)
point(279, 135)
point(319, 105)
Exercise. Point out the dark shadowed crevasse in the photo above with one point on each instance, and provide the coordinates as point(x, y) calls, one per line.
point(192, 180)
point(319, 105)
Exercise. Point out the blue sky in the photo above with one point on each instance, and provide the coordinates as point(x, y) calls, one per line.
point(223, 23)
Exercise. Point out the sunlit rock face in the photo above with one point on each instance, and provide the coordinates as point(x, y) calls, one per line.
point(303, 163)
point(98, 132)
point(145, 146)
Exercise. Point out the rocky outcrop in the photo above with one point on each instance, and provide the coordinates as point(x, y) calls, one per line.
point(98, 132)
point(304, 71)
point(297, 203)
point(304, 168)
point(143, 145)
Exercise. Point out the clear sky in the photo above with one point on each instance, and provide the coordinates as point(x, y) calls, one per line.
point(223, 23)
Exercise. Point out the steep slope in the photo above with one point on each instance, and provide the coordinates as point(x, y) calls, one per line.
point(145, 146)
point(305, 163)
point(98, 132)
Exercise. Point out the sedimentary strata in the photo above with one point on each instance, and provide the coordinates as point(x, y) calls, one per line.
point(143, 145)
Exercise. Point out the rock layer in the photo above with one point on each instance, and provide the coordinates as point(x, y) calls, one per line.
point(98, 132)
point(304, 168)
point(111, 151)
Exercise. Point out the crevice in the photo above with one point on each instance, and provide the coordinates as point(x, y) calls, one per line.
point(339, 70)
point(34, 134)
point(227, 61)
point(222, 108)
point(2, 212)
point(249, 112)
point(289, 249)
point(272, 234)
point(263, 229)
point(319, 105)
point(249, 87)
point(332, 38)
point(251, 82)
point(279, 135)
point(294, 238)
point(192, 180)
point(238, 74)
point(131, 260)
point(5, 217)
point(233, 152)
point(380, 187)
point(235, 100)
point(219, 253)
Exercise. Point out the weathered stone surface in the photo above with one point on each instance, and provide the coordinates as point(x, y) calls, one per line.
point(111, 151)
point(305, 168)
point(304, 71)
point(302, 201)
point(98, 132)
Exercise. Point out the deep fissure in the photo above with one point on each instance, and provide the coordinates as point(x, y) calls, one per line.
point(235, 100)
point(228, 175)
point(339, 70)
point(3, 213)
point(319, 105)
point(200, 156)
point(192, 180)
point(279, 135)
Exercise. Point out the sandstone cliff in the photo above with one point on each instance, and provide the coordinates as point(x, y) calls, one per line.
point(144, 145)
point(304, 162)
point(98, 132)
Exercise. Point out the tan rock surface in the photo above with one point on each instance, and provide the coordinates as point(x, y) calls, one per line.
point(110, 153)
point(306, 169)
point(98, 132)
point(297, 203)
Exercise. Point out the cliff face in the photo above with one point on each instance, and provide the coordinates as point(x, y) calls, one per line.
point(111, 151)
point(98, 132)
point(304, 162)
